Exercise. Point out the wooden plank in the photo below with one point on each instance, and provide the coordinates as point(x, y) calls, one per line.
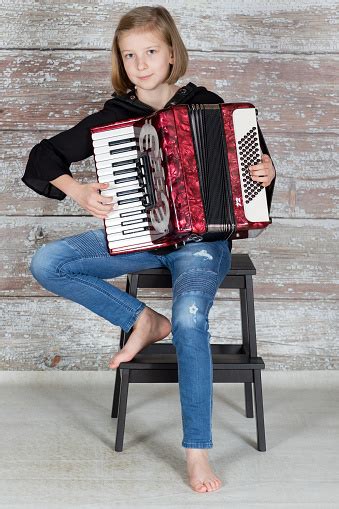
point(42, 334)
point(55, 89)
point(295, 258)
point(305, 188)
point(251, 25)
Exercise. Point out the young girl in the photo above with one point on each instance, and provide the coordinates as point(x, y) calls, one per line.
point(148, 57)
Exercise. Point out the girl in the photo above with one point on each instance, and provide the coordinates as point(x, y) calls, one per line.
point(148, 57)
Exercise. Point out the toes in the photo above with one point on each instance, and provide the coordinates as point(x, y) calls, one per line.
point(200, 487)
point(208, 485)
point(212, 484)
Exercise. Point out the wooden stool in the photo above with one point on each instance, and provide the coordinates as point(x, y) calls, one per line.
point(231, 362)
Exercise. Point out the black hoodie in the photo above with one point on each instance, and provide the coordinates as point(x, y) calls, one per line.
point(52, 157)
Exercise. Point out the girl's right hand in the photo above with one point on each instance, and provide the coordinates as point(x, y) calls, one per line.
point(88, 197)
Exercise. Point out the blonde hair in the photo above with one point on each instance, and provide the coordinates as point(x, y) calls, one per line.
point(148, 18)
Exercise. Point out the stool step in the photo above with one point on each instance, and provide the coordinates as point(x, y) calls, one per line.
point(169, 361)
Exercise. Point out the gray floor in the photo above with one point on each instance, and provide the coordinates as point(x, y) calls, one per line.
point(57, 444)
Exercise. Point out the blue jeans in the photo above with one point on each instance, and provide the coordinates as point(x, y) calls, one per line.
point(75, 268)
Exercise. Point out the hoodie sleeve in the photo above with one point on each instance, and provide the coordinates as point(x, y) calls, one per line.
point(52, 157)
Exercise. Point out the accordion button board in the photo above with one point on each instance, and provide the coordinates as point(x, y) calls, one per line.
point(249, 153)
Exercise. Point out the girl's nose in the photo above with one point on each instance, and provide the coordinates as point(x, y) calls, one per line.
point(141, 65)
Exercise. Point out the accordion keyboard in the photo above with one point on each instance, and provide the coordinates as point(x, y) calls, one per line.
point(118, 162)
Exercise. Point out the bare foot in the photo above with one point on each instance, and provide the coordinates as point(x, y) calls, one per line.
point(201, 477)
point(149, 328)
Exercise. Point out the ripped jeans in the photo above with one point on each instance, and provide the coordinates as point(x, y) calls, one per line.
point(75, 268)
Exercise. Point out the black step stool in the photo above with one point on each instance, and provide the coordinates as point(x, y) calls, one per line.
point(231, 362)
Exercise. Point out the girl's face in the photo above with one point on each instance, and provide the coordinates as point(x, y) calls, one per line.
point(146, 58)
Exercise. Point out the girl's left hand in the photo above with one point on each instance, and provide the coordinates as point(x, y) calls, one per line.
point(263, 172)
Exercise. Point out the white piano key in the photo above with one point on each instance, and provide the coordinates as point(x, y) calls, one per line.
point(105, 141)
point(126, 212)
point(133, 233)
point(131, 192)
point(123, 206)
point(122, 156)
point(116, 175)
point(121, 182)
point(110, 169)
point(114, 181)
point(125, 244)
point(131, 185)
point(119, 131)
point(108, 163)
point(118, 228)
point(125, 220)
point(124, 167)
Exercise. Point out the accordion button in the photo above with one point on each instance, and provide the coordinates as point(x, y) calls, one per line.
point(132, 97)
point(183, 91)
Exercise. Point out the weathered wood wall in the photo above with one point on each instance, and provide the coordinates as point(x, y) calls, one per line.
point(55, 67)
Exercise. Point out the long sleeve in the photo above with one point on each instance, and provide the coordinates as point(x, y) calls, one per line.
point(52, 157)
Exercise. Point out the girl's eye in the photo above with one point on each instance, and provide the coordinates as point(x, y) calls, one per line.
point(127, 55)
point(154, 50)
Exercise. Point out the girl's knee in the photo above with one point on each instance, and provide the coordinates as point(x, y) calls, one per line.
point(45, 261)
point(36, 261)
point(190, 312)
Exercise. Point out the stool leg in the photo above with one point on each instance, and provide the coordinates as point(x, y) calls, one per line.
point(116, 397)
point(248, 399)
point(131, 288)
point(115, 405)
point(259, 411)
point(245, 342)
point(119, 439)
point(251, 317)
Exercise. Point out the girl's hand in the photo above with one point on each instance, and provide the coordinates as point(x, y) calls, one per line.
point(263, 172)
point(89, 198)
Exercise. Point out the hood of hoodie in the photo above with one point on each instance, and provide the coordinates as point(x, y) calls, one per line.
point(129, 105)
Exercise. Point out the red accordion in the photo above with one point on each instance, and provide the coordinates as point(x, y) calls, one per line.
point(180, 175)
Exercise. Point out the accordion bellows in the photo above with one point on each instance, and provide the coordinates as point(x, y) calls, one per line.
point(181, 175)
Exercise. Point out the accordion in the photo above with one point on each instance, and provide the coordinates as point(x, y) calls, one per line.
point(180, 175)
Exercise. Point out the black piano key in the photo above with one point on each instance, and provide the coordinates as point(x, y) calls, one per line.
point(122, 163)
point(123, 149)
point(134, 221)
point(129, 200)
point(128, 191)
point(118, 142)
point(122, 172)
point(132, 213)
point(126, 179)
point(137, 230)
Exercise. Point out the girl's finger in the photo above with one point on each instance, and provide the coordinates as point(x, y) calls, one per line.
point(100, 215)
point(104, 199)
point(259, 177)
point(259, 167)
point(101, 209)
